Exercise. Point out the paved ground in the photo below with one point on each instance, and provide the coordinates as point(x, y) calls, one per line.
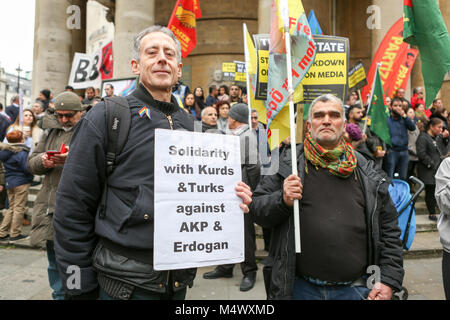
point(23, 276)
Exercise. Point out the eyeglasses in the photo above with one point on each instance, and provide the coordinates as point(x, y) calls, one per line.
point(254, 117)
point(67, 115)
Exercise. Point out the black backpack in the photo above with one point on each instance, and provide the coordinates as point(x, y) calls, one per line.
point(118, 122)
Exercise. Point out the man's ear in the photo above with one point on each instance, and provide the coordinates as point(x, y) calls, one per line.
point(180, 70)
point(308, 126)
point(135, 67)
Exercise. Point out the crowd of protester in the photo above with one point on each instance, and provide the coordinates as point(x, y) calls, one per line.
point(419, 144)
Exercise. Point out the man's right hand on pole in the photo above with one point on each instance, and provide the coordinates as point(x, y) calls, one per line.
point(292, 189)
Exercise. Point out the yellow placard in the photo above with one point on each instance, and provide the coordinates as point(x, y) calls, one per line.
point(228, 67)
point(328, 68)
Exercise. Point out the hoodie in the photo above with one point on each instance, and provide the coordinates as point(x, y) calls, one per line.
point(443, 200)
point(14, 157)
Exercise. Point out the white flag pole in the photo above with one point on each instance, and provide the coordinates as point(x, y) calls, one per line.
point(247, 62)
point(370, 99)
point(287, 37)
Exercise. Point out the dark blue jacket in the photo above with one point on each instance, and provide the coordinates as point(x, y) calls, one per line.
point(128, 221)
point(4, 124)
point(210, 100)
point(14, 158)
point(12, 111)
point(397, 130)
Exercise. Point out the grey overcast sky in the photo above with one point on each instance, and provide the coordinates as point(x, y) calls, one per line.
point(16, 34)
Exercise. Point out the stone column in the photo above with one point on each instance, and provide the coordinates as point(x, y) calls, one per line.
point(52, 47)
point(131, 17)
point(264, 9)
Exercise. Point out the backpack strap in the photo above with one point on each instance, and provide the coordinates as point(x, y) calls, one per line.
point(118, 122)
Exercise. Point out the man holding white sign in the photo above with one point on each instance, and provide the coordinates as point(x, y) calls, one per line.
point(104, 220)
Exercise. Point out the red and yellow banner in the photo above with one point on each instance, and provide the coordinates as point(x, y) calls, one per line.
point(390, 53)
point(183, 24)
point(402, 68)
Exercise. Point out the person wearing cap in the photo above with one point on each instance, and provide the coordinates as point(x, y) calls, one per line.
point(250, 165)
point(59, 128)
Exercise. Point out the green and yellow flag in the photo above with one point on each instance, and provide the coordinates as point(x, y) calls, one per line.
point(424, 27)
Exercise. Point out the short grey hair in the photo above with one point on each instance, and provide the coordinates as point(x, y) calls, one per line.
point(325, 98)
point(203, 113)
point(155, 28)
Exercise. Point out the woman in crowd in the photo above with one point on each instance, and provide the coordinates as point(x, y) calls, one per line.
point(412, 138)
point(420, 111)
point(191, 106)
point(224, 93)
point(222, 107)
point(430, 152)
point(14, 156)
point(31, 131)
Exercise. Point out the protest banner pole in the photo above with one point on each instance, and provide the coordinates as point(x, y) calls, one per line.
point(247, 62)
point(21, 108)
point(371, 96)
point(292, 128)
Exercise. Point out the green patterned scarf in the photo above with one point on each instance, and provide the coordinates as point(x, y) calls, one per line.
point(331, 159)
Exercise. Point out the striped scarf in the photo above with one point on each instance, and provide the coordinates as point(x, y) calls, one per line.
point(331, 159)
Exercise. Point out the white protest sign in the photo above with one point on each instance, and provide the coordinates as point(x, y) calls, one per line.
point(198, 221)
point(85, 71)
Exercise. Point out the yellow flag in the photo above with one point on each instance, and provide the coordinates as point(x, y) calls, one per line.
point(251, 54)
point(286, 9)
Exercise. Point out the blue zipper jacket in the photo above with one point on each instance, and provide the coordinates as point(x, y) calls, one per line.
point(398, 131)
point(14, 157)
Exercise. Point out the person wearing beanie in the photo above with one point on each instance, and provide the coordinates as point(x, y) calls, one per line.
point(250, 165)
point(58, 130)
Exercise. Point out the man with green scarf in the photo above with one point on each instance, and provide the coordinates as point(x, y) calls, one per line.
point(350, 240)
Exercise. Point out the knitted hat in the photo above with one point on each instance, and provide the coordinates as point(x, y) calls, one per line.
point(68, 101)
point(354, 132)
point(239, 112)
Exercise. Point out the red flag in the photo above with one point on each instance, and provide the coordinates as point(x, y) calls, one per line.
point(402, 69)
point(391, 49)
point(106, 68)
point(183, 24)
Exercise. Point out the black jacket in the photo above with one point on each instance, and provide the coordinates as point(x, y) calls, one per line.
point(430, 152)
point(127, 227)
point(269, 210)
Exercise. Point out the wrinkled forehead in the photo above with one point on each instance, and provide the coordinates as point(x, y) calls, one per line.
point(327, 107)
point(157, 39)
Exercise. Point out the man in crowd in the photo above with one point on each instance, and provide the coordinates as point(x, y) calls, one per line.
point(109, 90)
point(13, 110)
point(211, 99)
point(69, 88)
point(417, 97)
point(397, 156)
point(238, 125)
point(234, 95)
point(104, 223)
point(348, 221)
point(59, 129)
point(90, 94)
point(400, 93)
point(209, 120)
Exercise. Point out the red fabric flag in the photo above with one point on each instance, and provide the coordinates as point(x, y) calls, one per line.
point(106, 68)
point(391, 49)
point(183, 24)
